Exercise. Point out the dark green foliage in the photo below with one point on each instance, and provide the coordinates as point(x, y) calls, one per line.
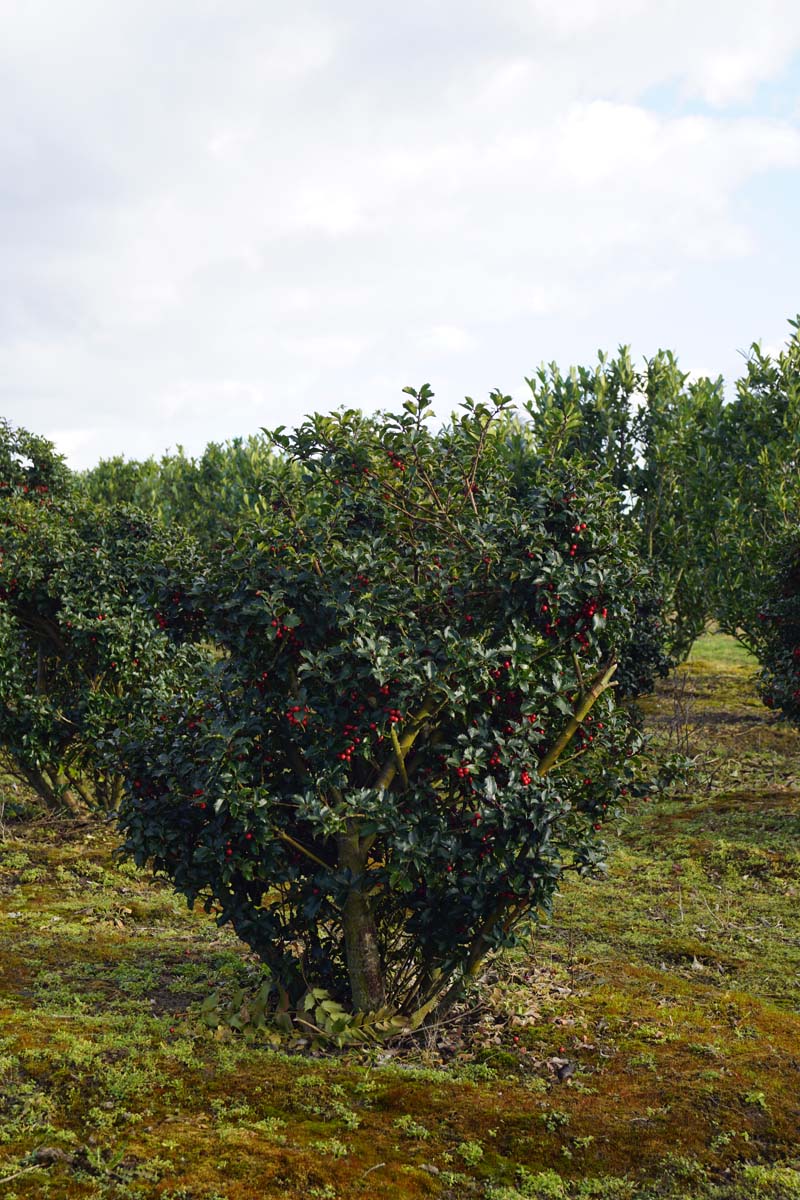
point(408, 736)
point(642, 658)
point(757, 482)
point(779, 635)
point(79, 643)
point(30, 465)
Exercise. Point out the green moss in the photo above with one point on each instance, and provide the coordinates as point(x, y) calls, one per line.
point(670, 987)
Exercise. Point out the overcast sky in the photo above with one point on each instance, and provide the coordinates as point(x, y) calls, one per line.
point(217, 215)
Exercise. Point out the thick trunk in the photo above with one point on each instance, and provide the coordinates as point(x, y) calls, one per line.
point(362, 950)
point(46, 787)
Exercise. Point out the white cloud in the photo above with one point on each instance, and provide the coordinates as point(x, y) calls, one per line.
point(196, 398)
point(72, 442)
point(450, 338)
point(752, 45)
point(324, 352)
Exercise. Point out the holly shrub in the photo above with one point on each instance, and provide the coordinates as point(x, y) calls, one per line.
point(408, 734)
point(650, 431)
point(30, 466)
point(779, 639)
point(207, 496)
point(642, 655)
point(755, 495)
point(81, 594)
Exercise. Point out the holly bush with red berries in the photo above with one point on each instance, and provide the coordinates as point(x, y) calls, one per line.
point(30, 465)
point(408, 733)
point(651, 432)
point(643, 655)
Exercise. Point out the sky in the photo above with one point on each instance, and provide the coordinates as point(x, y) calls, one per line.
point(218, 216)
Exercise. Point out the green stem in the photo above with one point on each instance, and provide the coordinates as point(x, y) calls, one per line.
point(402, 745)
point(586, 702)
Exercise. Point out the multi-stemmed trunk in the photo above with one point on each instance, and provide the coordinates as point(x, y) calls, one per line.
point(362, 946)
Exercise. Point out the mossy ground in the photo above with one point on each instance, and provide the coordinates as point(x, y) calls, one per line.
point(672, 986)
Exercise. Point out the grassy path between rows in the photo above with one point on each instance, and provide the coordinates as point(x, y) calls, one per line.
point(671, 988)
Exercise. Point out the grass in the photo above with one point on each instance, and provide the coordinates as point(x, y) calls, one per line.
point(720, 651)
point(672, 988)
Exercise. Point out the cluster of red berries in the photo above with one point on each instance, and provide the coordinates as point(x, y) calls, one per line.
point(584, 737)
point(361, 706)
point(591, 607)
point(40, 488)
point(551, 624)
point(196, 794)
point(294, 718)
point(396, 462)
point(349, 731)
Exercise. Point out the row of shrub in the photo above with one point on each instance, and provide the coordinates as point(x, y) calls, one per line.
point(360, 688)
